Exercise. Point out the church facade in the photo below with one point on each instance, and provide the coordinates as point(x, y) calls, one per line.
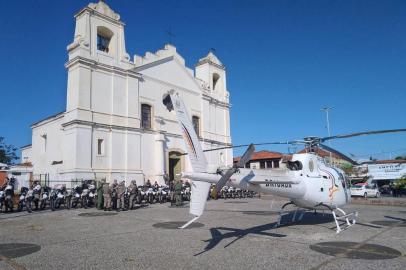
point(115, 125)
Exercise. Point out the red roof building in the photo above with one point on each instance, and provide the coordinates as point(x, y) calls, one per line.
point(263, 160)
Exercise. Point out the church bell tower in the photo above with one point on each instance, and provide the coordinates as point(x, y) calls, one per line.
point(212, 72)
point(98, 43)
point(99, 35)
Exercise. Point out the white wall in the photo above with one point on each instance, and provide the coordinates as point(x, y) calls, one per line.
point(45, 152)
point(26, 154)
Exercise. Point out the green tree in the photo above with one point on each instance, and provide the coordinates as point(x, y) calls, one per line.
point(347, 168)
point(400, 157)
point(401, 183)
point(7, 152)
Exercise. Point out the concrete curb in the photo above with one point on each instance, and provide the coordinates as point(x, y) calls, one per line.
point(378, 201)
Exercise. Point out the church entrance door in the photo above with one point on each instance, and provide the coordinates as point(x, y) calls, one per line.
point(175, 165)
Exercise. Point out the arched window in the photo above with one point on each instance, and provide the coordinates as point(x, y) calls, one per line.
point(104, 36)
point(196, 124)
point(216, 78)
point(146, 116)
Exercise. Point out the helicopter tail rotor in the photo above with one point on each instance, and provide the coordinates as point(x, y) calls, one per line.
point(244, 159)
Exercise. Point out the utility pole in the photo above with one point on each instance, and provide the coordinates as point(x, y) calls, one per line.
point(327, 110)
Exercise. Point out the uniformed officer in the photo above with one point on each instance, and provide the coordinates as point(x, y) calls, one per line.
point(178, 193)
point(106, 196)
point(172, 191)
point(213, 192)
point(166, 178)
point(113, 193)
point(99, 190)
point(120, 196)
point(133, 189)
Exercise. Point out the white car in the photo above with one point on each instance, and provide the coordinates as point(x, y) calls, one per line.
point(364, 191)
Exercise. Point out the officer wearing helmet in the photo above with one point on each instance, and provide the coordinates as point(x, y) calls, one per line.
point(113, 193)
point(120, 195)
point(133, 189)
point(178, 192)
point(100, 193)
point(106, 196)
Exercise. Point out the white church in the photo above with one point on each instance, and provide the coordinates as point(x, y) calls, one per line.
point(115, 125)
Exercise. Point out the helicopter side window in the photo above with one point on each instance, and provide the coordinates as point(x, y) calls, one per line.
point(341, 178)
point(295, 165)
point(347, 182)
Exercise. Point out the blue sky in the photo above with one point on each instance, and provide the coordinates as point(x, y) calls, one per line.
point(285, 60)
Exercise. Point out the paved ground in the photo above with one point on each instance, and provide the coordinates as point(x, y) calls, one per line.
point(236, 234)
point(384, 200)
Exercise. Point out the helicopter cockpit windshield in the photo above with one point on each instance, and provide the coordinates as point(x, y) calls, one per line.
point(294, 165)
point(343, 179)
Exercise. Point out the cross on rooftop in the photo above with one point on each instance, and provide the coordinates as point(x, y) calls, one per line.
point(170, 35)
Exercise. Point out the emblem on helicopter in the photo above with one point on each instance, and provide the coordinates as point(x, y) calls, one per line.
point(311, 165)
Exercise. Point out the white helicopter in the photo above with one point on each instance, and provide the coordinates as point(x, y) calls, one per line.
point(308, 182)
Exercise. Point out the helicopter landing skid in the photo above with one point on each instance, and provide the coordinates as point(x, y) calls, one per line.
point(345, 217)
point(281, 212)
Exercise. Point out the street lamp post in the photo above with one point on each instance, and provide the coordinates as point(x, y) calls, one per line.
point(327, 110)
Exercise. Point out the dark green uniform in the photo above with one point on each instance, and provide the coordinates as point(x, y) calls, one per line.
point(120, 196)
point(178, 193)
point(132, 188)
point(107, 197)
point(99, 190)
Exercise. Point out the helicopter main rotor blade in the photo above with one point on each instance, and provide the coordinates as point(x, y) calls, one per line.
point(362, 133)
point(332, 150)
point(256, 144)
point(246, 157)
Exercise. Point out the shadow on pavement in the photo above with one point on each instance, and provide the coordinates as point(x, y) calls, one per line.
point(218, 236)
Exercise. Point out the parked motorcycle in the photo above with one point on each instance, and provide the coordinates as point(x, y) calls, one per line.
point(68, 199)
point(84, 198)
point(2, 199)
point(126, 199)
point(36, 192)
point(249, 193)
point(75, 197)
point(23, 200)
point(163, 194)
point(8, 200)
point(186, 193)
point(58, 197)
point(224, 192)
point(231, 193)
point(150, 194)
point(52, 199)
point(239, 193)
point(141, 195)
point(44, 197)
point(92, 195)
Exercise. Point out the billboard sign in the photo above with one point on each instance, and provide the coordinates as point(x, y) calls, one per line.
point(388, 171)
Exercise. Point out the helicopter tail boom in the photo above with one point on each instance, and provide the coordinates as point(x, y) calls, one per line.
point(200, 189)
